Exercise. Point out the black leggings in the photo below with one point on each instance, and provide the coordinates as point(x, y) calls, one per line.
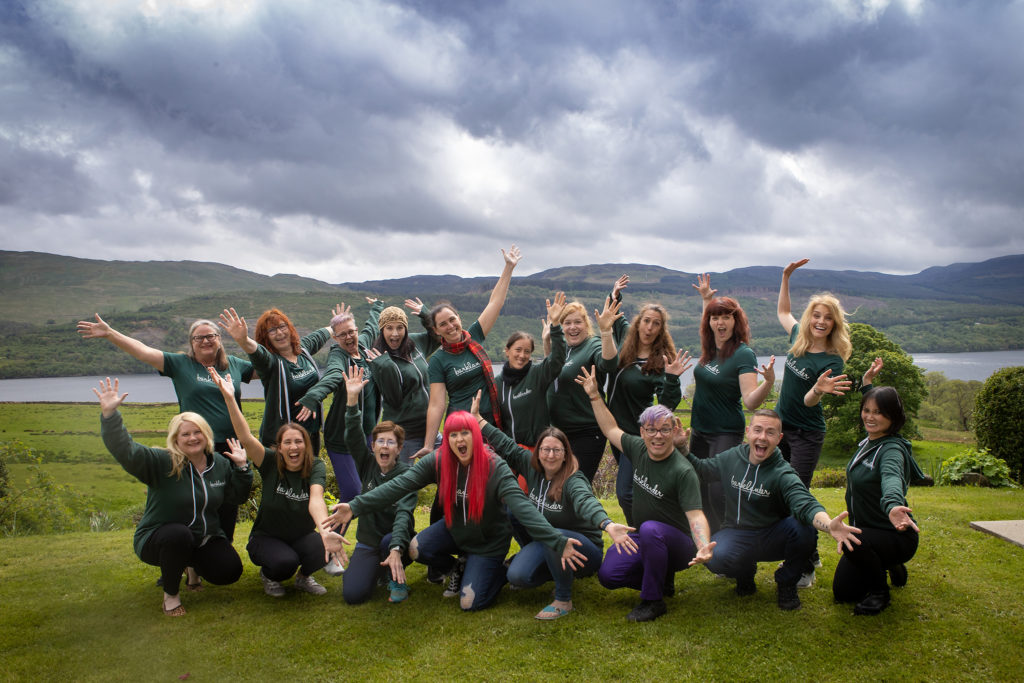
point(280, 559)
point(172, 548)
point(704, 446)
point(588, 447)
point(862, 570)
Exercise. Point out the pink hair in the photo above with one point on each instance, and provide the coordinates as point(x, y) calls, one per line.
point(448, 469)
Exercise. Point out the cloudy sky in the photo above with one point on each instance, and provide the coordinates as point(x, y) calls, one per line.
point(353, 140)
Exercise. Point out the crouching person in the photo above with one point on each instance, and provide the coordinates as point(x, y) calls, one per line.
point(769, 514)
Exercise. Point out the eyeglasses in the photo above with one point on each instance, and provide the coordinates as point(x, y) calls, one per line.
point(344, 333)
point(280, 329)
point(205, 337)
point(385, 442)
point(665, 430)
point(552, 450)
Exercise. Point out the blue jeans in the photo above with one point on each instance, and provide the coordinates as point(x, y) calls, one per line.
point(536, 564)
point(483, 577)
point(364, 567)
point(739, 550)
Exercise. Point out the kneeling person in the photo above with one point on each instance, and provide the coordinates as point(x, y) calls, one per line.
point(768, 512)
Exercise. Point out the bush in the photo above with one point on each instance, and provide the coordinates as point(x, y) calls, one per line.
point(829, 478)
point(999, 418)
point(993, 471)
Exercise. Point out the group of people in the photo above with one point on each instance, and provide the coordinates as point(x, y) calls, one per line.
point(517, 454)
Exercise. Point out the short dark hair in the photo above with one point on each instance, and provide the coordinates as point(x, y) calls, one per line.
point(766, 412)
point(889, 405)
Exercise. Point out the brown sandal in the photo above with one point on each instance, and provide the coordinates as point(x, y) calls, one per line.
point(178, 611)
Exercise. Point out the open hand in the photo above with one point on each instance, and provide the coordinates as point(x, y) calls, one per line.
point(108, 396)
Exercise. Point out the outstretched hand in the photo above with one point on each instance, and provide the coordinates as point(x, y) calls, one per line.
point(680, 364)
point(512, 256)
point(588, 380)
point(620, 285)
point(704, 554)
point(227, 388)
point(788, 270)
point(414, 305)
point(341, 514)
point(704, 286)
point(872, 372)
point(900, 518)
point(354, 379)
point(607, 317)
point(767, 370)
point(334, 544)
point(108, 396)
point(235, 452)
point(340, 309)
point(571, 557)
point(620, 535)
point(844, 534)
point(827, 384)
point(474, 407)
point(555, 309)
point(94, 330)
point(394, 563)
point(234, 325)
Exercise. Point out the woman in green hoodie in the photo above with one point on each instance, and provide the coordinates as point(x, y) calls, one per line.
point(877, 478)
point(186, 484)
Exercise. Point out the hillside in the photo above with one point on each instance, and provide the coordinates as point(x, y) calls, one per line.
point(962, 307)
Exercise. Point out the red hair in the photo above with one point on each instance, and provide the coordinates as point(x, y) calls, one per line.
point(723, 305)
point(448, 469)
point(273, 318)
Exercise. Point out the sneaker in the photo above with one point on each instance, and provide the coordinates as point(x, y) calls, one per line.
point(806, 580)
point(746, 586)
point(788, 599)
point(647, 610)
point(307, 584)
point(435, 575)
point(898, 575)
point(272, 588)
point(453, 587)
point(334, 567)
point(873, 603)
point(399, 591)
point(816, 559)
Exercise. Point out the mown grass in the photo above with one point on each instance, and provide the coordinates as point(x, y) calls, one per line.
point(81, 606)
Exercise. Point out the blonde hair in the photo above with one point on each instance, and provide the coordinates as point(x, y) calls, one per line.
point(577, 307)
point(838, 340)
point(178, 456)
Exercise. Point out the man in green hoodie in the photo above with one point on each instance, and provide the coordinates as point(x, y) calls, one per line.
point(769, 514)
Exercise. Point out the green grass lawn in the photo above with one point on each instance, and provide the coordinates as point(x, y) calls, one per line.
point(81, 606)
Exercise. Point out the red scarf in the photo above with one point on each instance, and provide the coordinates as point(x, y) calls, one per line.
point(468, 343)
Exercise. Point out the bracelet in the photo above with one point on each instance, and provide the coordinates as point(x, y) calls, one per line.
point(242, 468)
point(816, 392)
point(605, 524)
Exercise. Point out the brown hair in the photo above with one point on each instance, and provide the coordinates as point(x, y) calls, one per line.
point(307, 450)
point(723, 305)
point(569, 465)
point(661, 346)
point(389, 426)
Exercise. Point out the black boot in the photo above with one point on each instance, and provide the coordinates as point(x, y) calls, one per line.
point(873, 603)
point(787, 596)
point(898, 575)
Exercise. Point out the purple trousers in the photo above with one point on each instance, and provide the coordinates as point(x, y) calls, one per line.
point(664, 550)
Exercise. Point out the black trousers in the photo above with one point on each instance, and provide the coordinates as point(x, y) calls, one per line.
point(280, 559)
point(172, 548)
point(862, 570)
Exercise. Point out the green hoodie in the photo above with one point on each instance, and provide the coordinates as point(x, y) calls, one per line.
point(490, 536)
point(285, 382)
point(338, 360)
point(578, 510)
point(524, 404)
point(757, 496)
point(403, 384)
point(397, 519)
point(877, 478)
point(193, 499)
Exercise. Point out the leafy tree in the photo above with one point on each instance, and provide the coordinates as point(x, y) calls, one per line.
point(842, 413)
point(950, 403)
point(999, 418)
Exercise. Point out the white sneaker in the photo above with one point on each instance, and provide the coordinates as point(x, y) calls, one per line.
point(806, 580)
point(334, 567)
point(272, 588)
point(453, 587)
point(307, 584)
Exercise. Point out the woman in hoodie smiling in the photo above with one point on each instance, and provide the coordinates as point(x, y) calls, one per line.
point(284, 541)
point(474, 488)
point(877, 478)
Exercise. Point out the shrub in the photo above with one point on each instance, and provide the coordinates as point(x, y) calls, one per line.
point(829, 478)
point(999, 418)
point(955, 469)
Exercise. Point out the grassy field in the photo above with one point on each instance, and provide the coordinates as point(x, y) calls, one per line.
point(81, 606)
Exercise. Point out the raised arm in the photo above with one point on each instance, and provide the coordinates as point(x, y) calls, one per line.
point(784, 308)
point(235, 325)
point(133, 347)
point(605, 322)
point(490, 313)
point(605, 420)
point(826, 384)
point(703, 286)
point(435, 410)
point(754, 394)
point(250, 443)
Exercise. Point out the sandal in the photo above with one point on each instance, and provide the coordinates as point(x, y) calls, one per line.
point(550, 613)
point(178, 611)
point(195, 586)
